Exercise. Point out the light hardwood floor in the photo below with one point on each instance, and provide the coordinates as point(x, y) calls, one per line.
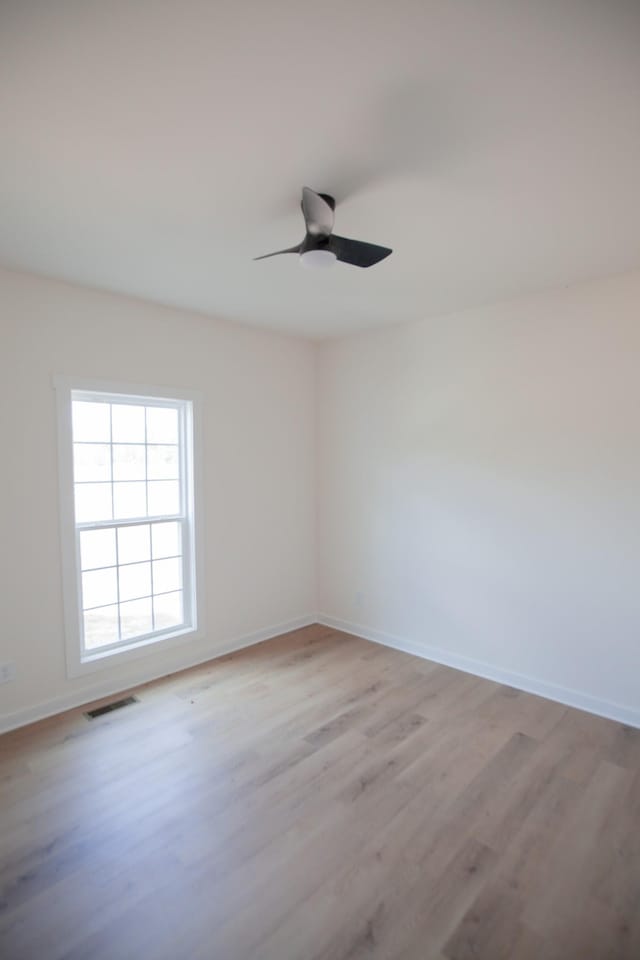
point(318, 797)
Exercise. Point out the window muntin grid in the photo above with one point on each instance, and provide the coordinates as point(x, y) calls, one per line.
point(132, 520)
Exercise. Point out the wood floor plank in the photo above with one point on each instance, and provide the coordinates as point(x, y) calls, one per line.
point(319, 797)
point(491, 927)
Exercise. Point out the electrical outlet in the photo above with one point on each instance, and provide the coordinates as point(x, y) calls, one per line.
point(7, 672)
point(359, 599)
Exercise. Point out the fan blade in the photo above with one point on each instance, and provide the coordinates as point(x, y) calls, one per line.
point(278, 252)
point(356, 252)
point(317, 209)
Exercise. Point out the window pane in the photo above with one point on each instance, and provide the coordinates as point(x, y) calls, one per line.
point(128, 461)
point(167, 575)
point(135, 581)
point(129, 500)
point(97, 548)
point(99, 588)
point(165, 538)
point(127, 423)
point(128, 466)
point(162, 425)
point(93, 502)
point(91, 421)
point(133, 543)
point(101, 627)
point(91, 461)
point(135, 618)
point(167, 610)
point(163, 462)
point(164, 497)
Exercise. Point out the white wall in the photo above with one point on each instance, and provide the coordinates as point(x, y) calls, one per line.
point(258, 472)
point(478, 484)
point(479, 491)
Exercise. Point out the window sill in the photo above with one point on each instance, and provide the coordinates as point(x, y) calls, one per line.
point(94, 662)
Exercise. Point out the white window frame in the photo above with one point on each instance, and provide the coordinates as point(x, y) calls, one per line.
point(80, 661)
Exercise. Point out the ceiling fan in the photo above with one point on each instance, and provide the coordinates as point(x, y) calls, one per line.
point(321, 247)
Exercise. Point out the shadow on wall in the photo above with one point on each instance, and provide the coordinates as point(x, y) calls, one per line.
point(500, 515)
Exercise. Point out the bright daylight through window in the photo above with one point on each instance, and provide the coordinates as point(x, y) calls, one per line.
point(133, 519)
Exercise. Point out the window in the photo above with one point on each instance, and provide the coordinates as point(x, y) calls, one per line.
point(127, 490)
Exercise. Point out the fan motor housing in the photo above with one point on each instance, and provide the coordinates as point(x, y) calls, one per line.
point(314, 242)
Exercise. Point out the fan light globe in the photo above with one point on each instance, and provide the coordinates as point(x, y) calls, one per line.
point(317, 258)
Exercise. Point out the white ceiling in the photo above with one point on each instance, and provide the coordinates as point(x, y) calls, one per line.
point(153, 147)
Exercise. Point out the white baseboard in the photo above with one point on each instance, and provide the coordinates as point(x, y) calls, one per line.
point(551, 691)
point(87, 694)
